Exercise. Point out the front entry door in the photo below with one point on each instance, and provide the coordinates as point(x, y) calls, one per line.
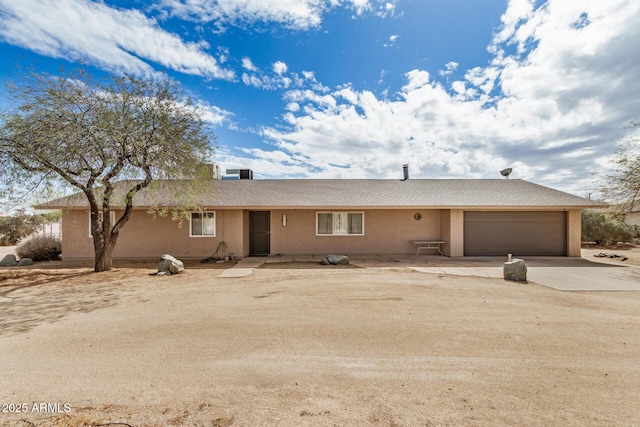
point(259, 233)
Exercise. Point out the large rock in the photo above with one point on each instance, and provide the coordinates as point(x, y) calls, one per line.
point(337, 259)
point(25, 261)
point(170, 265)
point(8, 261)
point(515, 270)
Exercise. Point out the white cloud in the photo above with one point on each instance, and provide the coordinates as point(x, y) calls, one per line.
point(279, 67)
point(295, 14)
point(247, 64)
point(115, 39)
point(552, 108)
point(450, 67)
point(267, 82)
point(280, 78)
point(416, 79)
point(459, 87)
point(392, 39)
point(293, 107)
point(216, 116)
point(309, 75)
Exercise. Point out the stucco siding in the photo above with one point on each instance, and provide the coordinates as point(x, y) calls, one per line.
point(451, 231)
point(144, 236)
point(574, 232)
point(76, 242)
point(633, 219)
point(385, 231)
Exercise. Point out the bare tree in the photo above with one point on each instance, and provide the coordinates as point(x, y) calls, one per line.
point(93, 135)
point(622, 188)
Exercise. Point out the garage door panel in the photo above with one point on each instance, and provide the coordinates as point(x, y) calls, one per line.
point(524, 216)
point(488, 233)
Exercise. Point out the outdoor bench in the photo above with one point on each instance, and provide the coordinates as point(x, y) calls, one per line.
point(428, 244)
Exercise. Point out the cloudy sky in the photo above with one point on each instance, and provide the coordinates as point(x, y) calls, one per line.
point(356, 88)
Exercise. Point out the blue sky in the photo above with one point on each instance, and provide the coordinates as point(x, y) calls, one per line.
point(356, 88)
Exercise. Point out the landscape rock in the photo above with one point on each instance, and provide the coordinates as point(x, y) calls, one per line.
point(8, 261)
point(605, 255)
point(337, 259)
point(515, 270)
point(25, 261)
point(169, 265)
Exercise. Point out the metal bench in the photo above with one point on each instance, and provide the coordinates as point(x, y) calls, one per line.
point(428, 244)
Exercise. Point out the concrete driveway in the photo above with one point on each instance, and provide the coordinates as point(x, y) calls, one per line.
point(587, 276)
point(561, 273)
point(564, 274)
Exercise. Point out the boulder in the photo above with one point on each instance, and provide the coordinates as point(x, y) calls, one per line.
point(338, 259)
point(169, 265)
point(25, 261)
point(515, 270)
point(8, 261)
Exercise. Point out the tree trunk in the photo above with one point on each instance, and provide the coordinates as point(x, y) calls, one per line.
point(104, 260)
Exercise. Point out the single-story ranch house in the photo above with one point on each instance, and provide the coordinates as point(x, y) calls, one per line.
point(471, 217)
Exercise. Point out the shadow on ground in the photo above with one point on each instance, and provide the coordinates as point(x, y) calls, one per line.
point(29, 298)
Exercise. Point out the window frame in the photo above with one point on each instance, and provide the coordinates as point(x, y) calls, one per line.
point(339, 235)
point(112, 215)
point(215, 221)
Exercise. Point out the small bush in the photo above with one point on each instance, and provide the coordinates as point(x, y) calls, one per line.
point(40, 248)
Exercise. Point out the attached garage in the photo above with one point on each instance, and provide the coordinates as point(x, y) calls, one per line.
point(526, 233)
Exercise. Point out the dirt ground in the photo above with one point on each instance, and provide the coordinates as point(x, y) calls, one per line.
point(297, 346)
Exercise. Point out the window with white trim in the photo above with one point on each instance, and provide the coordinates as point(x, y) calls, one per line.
point(112, 216)
point(340, 223)
point(203, 224)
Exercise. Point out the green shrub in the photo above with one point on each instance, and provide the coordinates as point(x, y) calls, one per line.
point(599, 228)
point(40, 248)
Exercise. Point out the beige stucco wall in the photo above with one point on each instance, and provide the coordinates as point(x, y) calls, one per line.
point(385, 231)
point(452, 232)
point(574, 232)
point(633, 218)
point(146, 237)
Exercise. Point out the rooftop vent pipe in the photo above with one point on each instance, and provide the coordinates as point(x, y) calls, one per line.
point(405, 171)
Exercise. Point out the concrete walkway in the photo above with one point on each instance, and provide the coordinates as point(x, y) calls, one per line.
point(244, 267)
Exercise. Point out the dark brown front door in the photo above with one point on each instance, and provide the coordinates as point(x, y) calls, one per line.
point(259, 233)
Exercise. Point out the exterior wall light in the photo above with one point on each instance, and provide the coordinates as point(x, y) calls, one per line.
point(284, 220)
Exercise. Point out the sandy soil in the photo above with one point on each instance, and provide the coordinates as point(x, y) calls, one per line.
point(305, 347)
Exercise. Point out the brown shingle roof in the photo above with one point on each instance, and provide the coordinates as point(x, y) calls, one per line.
point(357, 193)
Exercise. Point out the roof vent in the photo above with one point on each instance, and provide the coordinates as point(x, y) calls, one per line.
point(242, 173)
point(405, 171)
